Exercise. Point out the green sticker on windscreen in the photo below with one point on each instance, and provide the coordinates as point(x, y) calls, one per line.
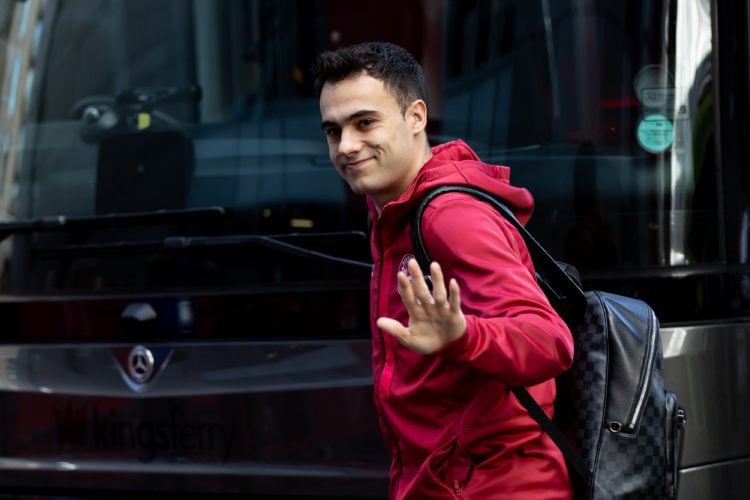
point(655, 133)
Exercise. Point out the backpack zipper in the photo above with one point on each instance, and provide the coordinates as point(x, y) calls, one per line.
point(643, 383)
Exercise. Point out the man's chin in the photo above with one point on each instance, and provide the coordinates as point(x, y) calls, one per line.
point(358, 187)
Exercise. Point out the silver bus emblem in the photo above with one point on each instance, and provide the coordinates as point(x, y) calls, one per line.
point(140, 364)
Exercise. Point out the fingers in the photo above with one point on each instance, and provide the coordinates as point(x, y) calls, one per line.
point(419, 285)
point(439, 294)
point(405, 288)
point(435, 318)
point(415, 292)
point(455, 295)
point(438, 285)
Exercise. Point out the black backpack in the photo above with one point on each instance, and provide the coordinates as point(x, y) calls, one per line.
point(617, 427)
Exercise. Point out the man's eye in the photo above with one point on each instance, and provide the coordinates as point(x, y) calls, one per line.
point(365, 123)
point(332, 132)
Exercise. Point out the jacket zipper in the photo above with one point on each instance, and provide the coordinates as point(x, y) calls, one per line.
point(456, 487)
point(387, 373)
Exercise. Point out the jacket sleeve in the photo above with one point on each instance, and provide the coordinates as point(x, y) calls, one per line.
point(513, 333)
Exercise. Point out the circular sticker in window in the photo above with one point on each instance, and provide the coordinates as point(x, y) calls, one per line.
point(655, 133)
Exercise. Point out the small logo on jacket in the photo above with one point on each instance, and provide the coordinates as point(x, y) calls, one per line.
point(402, 267)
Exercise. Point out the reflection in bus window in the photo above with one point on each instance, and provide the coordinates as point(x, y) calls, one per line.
point(602, 109)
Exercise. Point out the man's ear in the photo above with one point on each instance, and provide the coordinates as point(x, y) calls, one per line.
point(416, 115)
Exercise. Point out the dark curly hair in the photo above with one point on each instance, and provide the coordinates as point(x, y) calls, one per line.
point(393, 65)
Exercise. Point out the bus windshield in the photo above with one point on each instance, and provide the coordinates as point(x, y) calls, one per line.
point(204, 111)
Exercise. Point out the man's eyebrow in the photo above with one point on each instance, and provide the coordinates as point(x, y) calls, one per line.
point(351, 117)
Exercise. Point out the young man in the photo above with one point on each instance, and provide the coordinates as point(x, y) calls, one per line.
point(443, 360)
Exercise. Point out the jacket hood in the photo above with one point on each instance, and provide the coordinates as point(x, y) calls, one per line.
point(456, 163)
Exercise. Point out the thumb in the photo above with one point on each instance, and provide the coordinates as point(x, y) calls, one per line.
point(393, 327)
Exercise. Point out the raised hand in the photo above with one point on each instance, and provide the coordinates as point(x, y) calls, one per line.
point(435, 318)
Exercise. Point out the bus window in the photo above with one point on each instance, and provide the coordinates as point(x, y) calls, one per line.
point(605, 111)
point(186, 107)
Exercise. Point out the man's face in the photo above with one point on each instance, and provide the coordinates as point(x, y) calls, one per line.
point(372, 144)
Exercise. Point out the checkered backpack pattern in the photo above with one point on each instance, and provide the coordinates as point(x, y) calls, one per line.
point(619, 430)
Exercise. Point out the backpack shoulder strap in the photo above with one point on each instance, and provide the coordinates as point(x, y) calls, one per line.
point(572, 457)
point(561, 288)
point(555, 280)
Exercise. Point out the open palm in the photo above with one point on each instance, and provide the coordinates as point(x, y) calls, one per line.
point(435, 318)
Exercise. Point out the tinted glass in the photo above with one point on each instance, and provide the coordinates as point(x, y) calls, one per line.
point(602, 109)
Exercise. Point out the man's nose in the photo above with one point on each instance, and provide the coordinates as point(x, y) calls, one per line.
point(349, 143)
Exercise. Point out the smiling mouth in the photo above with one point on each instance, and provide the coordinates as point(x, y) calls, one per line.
point(354, 165)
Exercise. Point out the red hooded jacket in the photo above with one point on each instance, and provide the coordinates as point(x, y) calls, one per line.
point(453, 427)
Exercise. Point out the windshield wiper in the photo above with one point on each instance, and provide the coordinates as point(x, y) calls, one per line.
point(279, 242)
point(70, 224)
